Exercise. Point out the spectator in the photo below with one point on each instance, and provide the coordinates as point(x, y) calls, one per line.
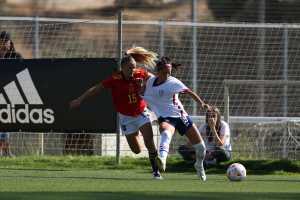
point(216, 134)
point(7, 51)
point(7, 48)
point(4, 145)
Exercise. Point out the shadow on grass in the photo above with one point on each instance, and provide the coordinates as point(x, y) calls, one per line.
point(252, 166)
point(150, 195)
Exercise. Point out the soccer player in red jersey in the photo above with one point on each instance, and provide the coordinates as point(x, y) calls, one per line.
point(125, 87)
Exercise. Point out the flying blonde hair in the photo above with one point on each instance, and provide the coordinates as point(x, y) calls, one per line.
point(143, 56)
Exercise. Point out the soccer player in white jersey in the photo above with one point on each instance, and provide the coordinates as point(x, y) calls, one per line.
point(161, 93)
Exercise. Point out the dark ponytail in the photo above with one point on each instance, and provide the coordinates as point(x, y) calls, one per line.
point(166, 61)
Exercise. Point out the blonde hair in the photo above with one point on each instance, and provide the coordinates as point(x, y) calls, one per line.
point(143, 56)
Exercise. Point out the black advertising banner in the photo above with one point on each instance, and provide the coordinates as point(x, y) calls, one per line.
point(35, 95)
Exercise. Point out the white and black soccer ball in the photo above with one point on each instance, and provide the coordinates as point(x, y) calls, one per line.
point(236, 172)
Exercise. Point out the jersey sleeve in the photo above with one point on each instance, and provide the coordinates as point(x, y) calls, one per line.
point(179, 87)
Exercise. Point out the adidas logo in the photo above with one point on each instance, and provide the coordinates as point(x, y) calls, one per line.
point(19, 111)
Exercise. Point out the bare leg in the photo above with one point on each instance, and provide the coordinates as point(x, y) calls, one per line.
point(133, 142)
point(147, 133)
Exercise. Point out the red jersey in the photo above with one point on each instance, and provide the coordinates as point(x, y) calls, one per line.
point(125, 93)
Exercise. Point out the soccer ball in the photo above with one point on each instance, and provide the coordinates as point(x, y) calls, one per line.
point(236, 172)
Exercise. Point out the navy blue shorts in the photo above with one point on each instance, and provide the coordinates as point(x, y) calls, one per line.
point(181, 124)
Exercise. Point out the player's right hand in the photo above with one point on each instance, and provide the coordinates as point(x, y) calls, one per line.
point(75, 103)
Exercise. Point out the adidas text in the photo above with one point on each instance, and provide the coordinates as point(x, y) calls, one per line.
point(26, 115)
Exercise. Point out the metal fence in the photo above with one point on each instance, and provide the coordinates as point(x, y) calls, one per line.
point(209, 52)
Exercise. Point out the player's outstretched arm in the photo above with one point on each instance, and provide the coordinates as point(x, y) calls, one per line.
point(91, 92)
point(198, 99)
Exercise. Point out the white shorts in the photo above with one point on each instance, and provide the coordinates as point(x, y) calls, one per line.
point(131, 124)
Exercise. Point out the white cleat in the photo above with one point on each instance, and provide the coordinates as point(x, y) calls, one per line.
point(200, 170)
point(161, 164)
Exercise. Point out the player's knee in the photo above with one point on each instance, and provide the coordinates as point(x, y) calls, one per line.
point(200, 149)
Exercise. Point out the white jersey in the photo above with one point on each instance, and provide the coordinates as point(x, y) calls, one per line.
point(163, 98)
point(224, 132)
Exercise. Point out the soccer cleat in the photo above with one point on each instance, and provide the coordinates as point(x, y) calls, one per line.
point(200, 170)
point(161, 164)
point(157, 176)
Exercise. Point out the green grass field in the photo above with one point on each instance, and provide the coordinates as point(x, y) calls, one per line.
point(49, 178)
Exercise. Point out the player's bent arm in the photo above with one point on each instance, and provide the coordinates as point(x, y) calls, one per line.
point(197, 99)
point(91, 92)
point(218, 140)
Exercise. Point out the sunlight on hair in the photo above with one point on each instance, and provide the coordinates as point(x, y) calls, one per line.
point(143, 56)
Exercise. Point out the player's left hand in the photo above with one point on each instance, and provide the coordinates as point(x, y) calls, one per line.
point(206, 107)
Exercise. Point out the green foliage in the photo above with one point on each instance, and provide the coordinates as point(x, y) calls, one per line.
point(68, 162)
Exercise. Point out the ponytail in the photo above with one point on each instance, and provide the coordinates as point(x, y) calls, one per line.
point(143, 56)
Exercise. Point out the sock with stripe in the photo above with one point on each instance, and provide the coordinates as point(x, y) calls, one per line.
point(165, 140)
